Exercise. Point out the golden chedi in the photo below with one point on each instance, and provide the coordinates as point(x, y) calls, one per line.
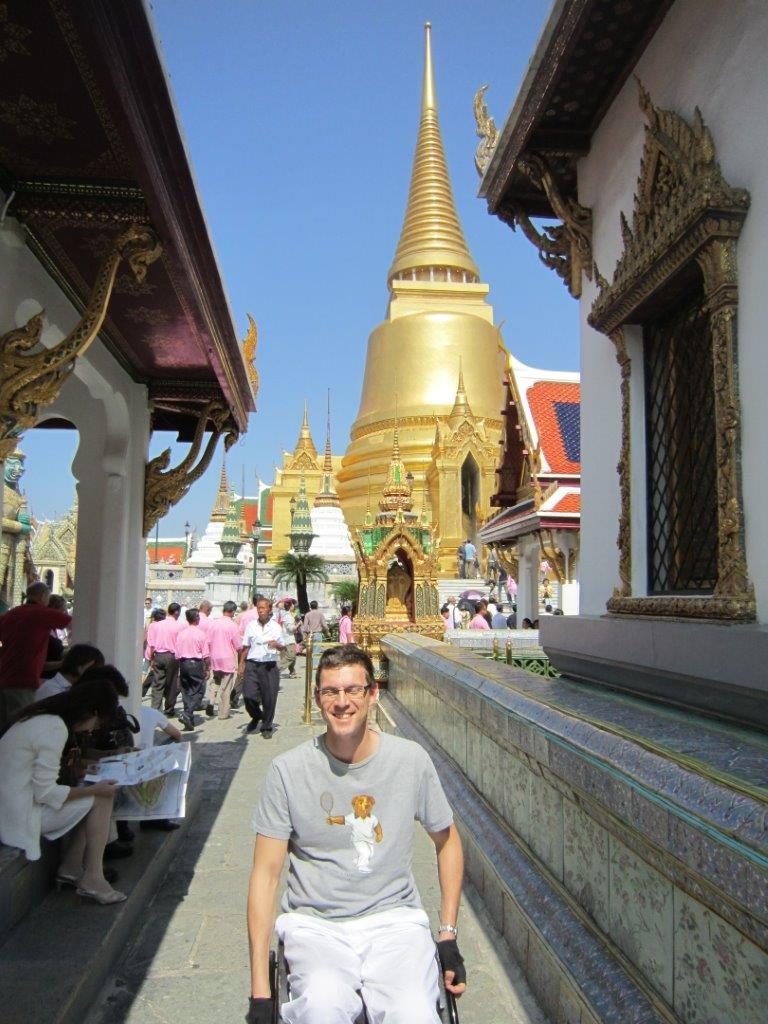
point(438, 345)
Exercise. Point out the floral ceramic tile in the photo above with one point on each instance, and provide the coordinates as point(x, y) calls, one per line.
point(546, 836)
point(585, 862)
point(640, 915)
point(720, 977)
point(517, 798)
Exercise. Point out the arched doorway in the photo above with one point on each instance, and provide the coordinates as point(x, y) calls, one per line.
point(470, 498)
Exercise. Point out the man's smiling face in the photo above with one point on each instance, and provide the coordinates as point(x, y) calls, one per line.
point(345, 717)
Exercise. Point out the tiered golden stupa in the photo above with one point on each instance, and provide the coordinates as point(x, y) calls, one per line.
point(439, 328)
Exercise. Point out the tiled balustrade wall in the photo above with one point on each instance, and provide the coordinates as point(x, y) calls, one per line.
point(666, 867)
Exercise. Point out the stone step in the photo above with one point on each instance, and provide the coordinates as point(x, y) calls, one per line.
point(56, 959)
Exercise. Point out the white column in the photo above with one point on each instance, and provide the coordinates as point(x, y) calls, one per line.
point(527, 584)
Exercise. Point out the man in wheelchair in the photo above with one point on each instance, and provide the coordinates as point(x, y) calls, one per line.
point(342, 807)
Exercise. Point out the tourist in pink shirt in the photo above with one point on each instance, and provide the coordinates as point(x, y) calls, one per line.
point(192, 654)
point(225, 642)
point(479, 621)
point(346, 636)
point(250, 616)
point(161, 652)
point(205, 608)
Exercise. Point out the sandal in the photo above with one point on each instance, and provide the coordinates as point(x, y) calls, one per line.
point(104, 899)
point(62, 881)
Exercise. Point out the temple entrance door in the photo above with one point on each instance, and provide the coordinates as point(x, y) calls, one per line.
point(470, 498)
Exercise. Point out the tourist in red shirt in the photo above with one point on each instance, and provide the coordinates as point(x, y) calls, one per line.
point(24, 633)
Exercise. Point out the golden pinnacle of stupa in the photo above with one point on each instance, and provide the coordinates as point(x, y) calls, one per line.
point(438, 317)
point(327, 496)
point(431, 236)
point(221, 504)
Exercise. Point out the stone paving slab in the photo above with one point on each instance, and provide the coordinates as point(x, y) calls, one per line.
point(188, 961)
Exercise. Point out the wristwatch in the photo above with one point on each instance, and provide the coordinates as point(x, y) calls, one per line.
point(450, 928)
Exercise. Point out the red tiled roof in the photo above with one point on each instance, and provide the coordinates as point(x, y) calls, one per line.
point(170, 553)
point(555, 407)
point(570, 503)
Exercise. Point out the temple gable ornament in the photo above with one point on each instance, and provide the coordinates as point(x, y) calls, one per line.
point(685, 225)
point(164, 487)
point(31, 379)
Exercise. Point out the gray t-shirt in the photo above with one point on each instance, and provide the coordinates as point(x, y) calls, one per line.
point(360, 862)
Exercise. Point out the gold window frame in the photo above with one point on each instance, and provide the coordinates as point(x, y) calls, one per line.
point(684, 212)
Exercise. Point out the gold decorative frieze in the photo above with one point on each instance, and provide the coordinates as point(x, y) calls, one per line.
point(565, 248)
point(31, 380)
point(686, 219)
point(164, 487)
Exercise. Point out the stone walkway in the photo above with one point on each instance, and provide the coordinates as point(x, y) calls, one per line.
point(188, 961)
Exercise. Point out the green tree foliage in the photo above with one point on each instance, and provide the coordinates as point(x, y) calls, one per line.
point(299, 569)
point(345, 592)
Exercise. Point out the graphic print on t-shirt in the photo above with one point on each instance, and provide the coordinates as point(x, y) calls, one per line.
point(365, 830)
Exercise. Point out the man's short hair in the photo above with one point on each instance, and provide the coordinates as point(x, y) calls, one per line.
point(313, 605)
point(158, 614)
point(340, 657)
point(36, 591)
point(174, 607)
point(262, 599)
point(78, 656)
point(229, 607)
point(193, 616)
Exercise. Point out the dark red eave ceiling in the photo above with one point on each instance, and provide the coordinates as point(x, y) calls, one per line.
point(89, 142)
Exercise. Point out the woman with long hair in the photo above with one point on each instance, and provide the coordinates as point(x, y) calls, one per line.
point(32, 802)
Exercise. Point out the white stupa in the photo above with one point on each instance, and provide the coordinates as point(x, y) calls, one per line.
point(207, 551)
point(331, 541)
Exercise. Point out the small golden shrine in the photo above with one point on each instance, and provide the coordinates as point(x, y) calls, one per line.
point(397, 560)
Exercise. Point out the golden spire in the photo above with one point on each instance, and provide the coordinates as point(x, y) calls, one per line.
point(396, 495)
point(461, 405)
point(305, 442)
point(221, 505)
point(327, 495)
point(431, 235)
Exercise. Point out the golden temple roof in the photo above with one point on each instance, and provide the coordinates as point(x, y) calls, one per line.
point(431, 235)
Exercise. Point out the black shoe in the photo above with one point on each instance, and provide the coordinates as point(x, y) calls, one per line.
point(170, 714)
point(124, 832)
point(267, 733)
point(117, 850)
point(161, 824)
point(188, 724)
point(234, 703)
point(252, 726)
point(209, 710)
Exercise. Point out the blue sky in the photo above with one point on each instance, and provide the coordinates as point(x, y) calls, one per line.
point(301, 120)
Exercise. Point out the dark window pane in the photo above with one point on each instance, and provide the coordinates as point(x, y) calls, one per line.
point(680, 440)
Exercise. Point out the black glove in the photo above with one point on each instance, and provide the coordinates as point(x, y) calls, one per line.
point(259, 1011)
point(452, 960)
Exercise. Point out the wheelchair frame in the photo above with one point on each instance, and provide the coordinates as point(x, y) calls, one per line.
point(278, 983)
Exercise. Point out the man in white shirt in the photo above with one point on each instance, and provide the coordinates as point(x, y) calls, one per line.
point(454, 615)
point(78, 658)
point(262, 643)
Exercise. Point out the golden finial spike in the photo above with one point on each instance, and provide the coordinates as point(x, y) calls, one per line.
point(305, 442)
point(431, 235)
point(328, 463)
point(428, 92)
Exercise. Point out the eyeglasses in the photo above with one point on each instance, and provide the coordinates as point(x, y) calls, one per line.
point(332, 692)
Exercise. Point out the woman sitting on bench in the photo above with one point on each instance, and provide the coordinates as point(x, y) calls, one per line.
point(32, 802)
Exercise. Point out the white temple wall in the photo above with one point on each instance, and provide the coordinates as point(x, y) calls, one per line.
point(111, 413)
point(714, 60)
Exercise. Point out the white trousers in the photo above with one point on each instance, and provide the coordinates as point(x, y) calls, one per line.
point(385, 961)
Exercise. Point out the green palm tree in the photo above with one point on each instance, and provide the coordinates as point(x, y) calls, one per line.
point(299, 568)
